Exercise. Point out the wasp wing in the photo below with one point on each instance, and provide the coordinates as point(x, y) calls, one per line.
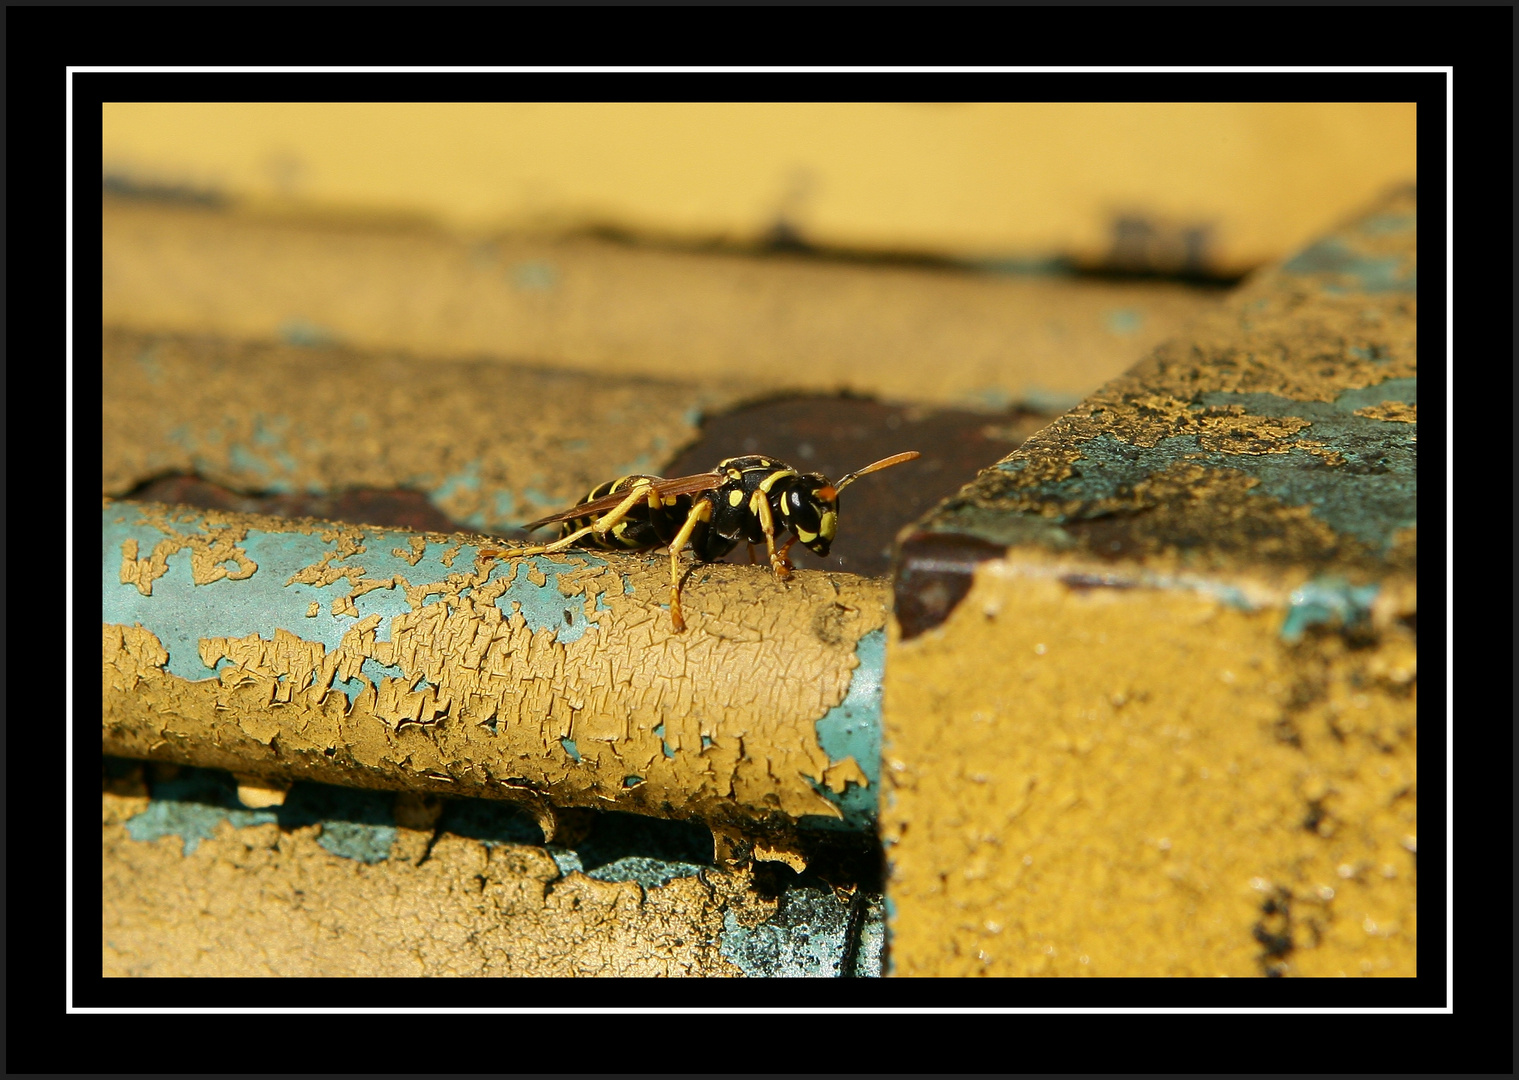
point(680, 485)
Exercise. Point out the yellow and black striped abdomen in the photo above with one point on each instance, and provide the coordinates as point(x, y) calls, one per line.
point(641, 528)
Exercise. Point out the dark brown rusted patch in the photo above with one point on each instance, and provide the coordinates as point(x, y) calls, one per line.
point(364, 506)
point(834, 435)
point(933, 575)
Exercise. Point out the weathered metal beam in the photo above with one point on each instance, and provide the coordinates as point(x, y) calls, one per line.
point(1152, 705)
point(384, 658)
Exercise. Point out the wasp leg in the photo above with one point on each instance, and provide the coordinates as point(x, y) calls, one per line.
point(785, 548)
point(761, 507)
point(640, 492)
point(702, 511)
point(752, 559)
point(558, 545)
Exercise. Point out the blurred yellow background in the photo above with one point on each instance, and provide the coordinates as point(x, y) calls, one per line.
point(1248, 182)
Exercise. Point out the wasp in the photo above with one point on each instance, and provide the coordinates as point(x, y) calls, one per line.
point(752, 498)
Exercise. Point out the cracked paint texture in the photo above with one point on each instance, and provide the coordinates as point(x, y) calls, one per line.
point(1168, 725)
point(554, 679)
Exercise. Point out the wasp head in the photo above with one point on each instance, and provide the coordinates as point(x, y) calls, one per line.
point(810, 508)
point(809, 504)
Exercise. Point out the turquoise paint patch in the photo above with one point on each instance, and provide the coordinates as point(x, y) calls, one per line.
point(358, 841)
point(1327, 601)
point(1123, 320)
point(190, 821)
point(619, 847)
point(181, 613)
point(852, 728)
point(570, 748)
point(629, 847)
point(243, 460)
point(566, 860)
point(1372, 495)
point(1404, 390)
point(355, 824)
point(805, 938)
point(270, 431)
point(181, 436)
point(547, 608)
point(1370, 273)
point(377, 671)
point(467, 479)
point(503, 509)
point(660, 731)
point(351, 688)
point(303, 332)
point(648, 872)
point(631, 781)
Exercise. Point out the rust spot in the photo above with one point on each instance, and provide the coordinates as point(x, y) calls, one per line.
point(933, 576)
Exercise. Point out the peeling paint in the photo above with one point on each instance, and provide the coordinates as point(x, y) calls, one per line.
point(850, 734)
point(475, 681)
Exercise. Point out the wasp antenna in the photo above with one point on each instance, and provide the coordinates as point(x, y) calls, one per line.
point(876, 466)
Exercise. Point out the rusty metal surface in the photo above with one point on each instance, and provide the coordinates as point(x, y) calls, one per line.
point(834, 435)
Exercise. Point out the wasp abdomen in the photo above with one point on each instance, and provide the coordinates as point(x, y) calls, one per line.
point(642, 527)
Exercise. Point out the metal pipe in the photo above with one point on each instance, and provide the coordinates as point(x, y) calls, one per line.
point(300, 649)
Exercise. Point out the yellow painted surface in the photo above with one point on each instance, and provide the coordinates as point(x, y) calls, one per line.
point(974, 180)
point(1146, 781)
point(1116, 755)
point(721, 324)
